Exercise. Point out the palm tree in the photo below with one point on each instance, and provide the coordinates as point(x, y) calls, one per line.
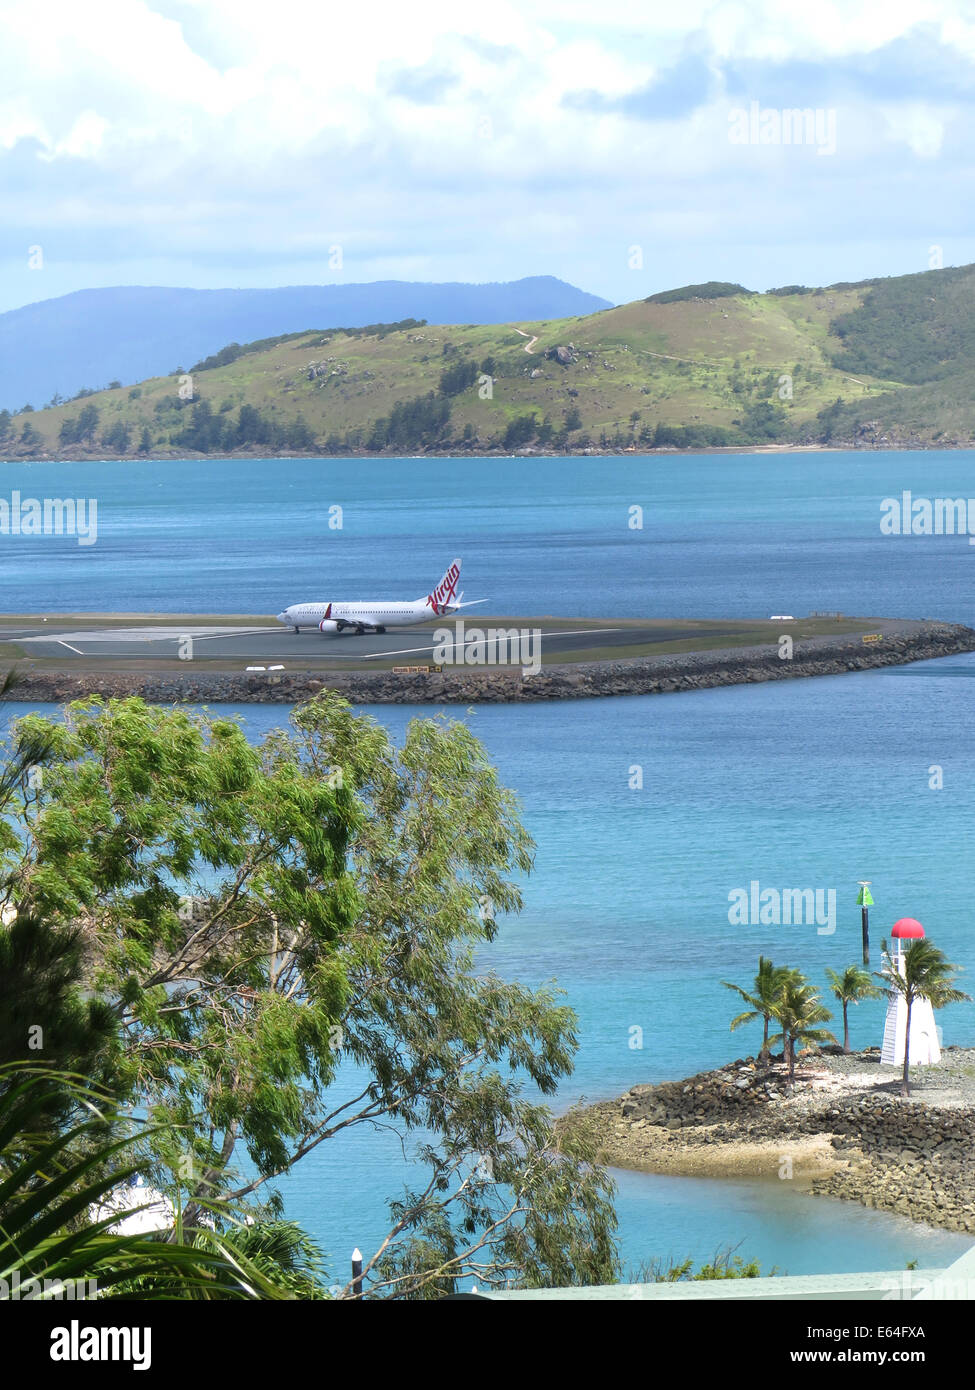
point(799, 1011)
point(849, 988)
point(766, 990)
point(926, 974)
point(48, 1187)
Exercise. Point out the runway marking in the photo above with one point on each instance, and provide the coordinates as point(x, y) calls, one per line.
point(125, 635)
point(411, 651)
point(69, 647)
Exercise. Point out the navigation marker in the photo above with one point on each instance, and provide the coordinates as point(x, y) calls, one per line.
point(864, 903)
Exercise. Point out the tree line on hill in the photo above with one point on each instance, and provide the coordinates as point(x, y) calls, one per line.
point(910, 328)
point(420, 423)
point(233, 351)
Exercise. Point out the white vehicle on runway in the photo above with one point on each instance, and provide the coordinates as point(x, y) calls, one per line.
point(359, 615)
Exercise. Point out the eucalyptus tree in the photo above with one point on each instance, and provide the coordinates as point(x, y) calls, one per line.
point(922, 972)
point(854, 985)
point(256, 916)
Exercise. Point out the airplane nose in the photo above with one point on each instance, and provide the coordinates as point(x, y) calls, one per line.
point(283, 617)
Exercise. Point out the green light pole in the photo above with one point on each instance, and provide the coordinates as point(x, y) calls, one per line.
point(865, 903)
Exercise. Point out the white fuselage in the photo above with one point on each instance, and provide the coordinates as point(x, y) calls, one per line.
point(361, 615)
point(381, 613)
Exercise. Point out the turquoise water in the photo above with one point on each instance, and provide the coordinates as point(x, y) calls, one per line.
point(796, 784)
point(806, 784)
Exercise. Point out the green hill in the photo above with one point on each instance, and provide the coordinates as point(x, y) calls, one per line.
point(880, 361)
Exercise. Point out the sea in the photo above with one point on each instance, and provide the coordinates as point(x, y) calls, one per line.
point(652, 815)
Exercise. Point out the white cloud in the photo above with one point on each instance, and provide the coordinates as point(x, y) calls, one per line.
point(921, 128)
point(201, 129)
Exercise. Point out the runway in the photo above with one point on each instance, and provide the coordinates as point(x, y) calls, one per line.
point(68, 643)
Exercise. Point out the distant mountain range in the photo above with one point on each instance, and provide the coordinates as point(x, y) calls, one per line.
point(873, 363)
point(93, 337)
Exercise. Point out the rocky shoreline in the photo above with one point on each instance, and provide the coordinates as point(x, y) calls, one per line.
point(842, 1131)
point(898, 442)
point(901, 643)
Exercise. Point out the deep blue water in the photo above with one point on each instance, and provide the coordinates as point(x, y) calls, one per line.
point(723, 535)
point(805, 784)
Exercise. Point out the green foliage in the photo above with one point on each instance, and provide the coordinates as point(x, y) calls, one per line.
point(762, 421)
point(458, 377)
point(281, 1251)
point(50, 1187)
point(799, 1013)
point(910, 328)
point(763, 997)
point(207, 432)
point(254, 915)
point(925, 973)
point(88, 423)
point(118, 437)
point(298, 435)
point(849, 988)
point(829, 418)
point(204, 432)
point(43, 1014)
point(519, 431)
point(711, 289)
point(700, 392)
point(223, 358)
point(724, 1265)
point(380, 330)
point(233, 351)
point(412, 424)
point(687, 436)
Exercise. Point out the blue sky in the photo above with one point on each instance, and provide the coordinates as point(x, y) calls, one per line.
point(236, 142)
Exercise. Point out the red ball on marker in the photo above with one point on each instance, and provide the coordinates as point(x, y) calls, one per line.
point(908, 927)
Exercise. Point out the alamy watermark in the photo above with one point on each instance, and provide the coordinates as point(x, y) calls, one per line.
point(15, 1290)
point(493, 646)
point(771, 125)
point(908, 515)
point(50, 516)
point(756, 906)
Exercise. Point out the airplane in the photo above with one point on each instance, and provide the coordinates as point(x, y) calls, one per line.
point(332, 619)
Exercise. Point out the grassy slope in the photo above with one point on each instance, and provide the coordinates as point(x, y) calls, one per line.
point(695, 362)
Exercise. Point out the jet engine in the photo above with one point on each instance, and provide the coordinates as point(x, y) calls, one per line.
point(328, 627)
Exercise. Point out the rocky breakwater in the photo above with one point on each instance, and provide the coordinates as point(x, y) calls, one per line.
point(841, 1130)
point(906, 1156)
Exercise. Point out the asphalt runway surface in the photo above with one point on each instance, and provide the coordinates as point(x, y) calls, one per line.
point(261, 645)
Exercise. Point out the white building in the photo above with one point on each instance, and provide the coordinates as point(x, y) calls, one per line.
point(925, 1048)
